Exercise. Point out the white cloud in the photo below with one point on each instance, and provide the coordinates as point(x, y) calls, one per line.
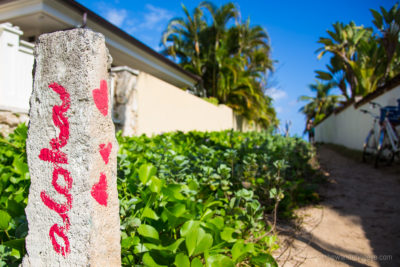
point(154, 18)
point(276, 94)
point(116, 16)
point(146, 25)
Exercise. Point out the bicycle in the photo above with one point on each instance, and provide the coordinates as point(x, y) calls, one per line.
point(384, 145)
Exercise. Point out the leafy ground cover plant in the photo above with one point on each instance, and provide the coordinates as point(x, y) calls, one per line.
point(14, 188)
point(186, 199)
point(201, 199)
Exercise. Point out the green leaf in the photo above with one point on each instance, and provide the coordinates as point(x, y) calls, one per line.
point(207, 214)
point(227, 234)
point(146, 171)
point(196, 262)
point(148, 231)
point(174, 246)
point(140, 248)
point(182, 260)
point(191, 240)
point(172, 191)
point(188, 226)
point(276, 194)
point(151, 246)
point(178, 209)
point(378, 19)
point(20, 166)
point(238, 250)
point(170, 217)
point(155, 184)
point(204, 242)
point(324, 75)
point(219, 261)
point(133, 222)
point(149, 213)
point(265, 260)
point(18, 244)
point(5, 219)
point(197, 241)
point(15, 209)
point(218, 222)
point(148, 261)
point(128, 242)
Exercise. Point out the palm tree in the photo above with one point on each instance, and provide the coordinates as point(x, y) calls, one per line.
point(369, 66)
point(231, 57)
point(343, 43)
point(181, 40)
point(335, 75)
point(388, 23)
point(215, 34)
point(320, 105)
point(362, 61)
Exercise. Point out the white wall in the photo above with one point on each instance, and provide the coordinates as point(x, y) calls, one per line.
point(16, 57)
point(350, 127)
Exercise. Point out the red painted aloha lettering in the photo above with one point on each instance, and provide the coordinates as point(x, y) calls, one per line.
point(60, 231)
point(55, 156)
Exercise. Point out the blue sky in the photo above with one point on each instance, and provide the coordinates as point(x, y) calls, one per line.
point(294, 28)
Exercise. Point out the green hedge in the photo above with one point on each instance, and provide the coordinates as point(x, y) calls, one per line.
point(186, 199)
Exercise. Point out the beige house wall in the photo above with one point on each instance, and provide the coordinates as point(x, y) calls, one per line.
point(163, 107)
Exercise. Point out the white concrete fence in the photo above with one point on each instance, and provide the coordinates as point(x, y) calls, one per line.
point(350, 126)
point(16, 57)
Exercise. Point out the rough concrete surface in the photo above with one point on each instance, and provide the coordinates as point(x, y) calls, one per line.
point(72, 211)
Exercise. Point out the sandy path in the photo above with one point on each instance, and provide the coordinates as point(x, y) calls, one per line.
point(356, 224)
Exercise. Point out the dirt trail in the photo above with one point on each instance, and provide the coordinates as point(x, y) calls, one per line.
point(356, 224)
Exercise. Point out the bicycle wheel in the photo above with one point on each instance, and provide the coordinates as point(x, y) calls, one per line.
point(385, 155)
point(370, 148)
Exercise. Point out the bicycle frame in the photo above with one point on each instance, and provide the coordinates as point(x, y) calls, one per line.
point(383, 140)
point(375, 129)
point(393, 138)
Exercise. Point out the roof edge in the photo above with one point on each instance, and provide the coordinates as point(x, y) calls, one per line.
point(106, 24)
point(388, 86)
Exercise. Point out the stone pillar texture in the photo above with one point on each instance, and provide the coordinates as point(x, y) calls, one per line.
point(72, 211)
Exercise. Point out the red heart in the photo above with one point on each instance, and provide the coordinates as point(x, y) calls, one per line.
point(105, 151)
point(100, 97)
point(99, 190)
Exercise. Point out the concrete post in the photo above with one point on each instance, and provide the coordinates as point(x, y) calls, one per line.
point(72, 208)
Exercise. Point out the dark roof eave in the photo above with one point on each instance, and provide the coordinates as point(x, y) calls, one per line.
point(103, 22)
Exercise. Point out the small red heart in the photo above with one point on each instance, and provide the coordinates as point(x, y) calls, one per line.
point(100, 97)
point(99, 190)
point(105, 151)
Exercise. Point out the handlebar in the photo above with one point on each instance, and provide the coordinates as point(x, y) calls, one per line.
point(392, 113)
point(375, 104)
point(370, 113)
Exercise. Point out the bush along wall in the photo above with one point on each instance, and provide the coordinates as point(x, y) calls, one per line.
point(186, 199)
